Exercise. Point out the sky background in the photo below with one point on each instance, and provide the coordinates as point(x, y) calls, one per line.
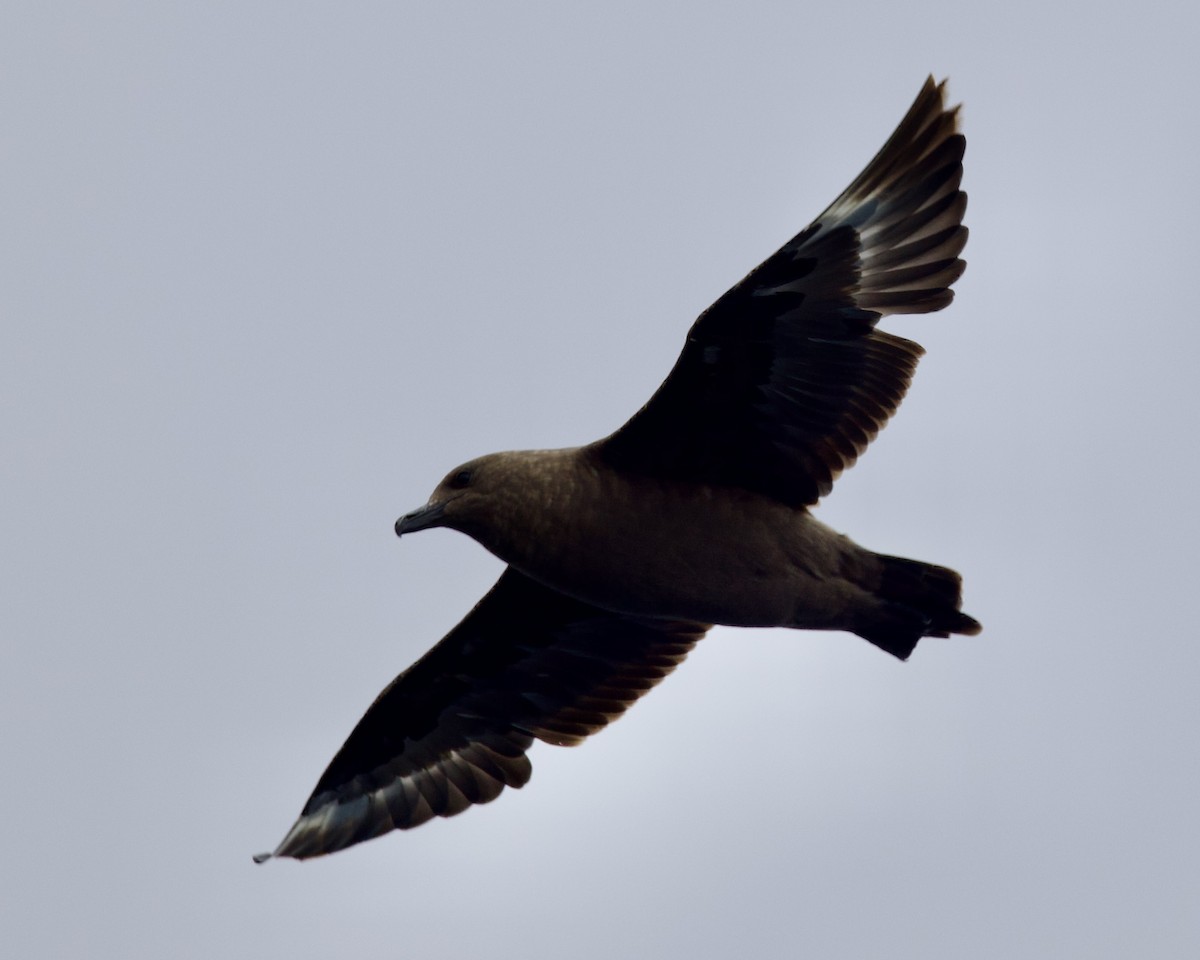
point(271, 269)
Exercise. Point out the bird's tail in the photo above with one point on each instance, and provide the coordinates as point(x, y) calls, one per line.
point(918, 600)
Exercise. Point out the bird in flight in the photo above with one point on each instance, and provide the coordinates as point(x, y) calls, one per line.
point(622, 553)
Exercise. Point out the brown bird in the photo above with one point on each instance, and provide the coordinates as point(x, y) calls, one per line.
point(621, 553)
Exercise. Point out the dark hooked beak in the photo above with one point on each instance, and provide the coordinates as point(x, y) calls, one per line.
point(429, 515)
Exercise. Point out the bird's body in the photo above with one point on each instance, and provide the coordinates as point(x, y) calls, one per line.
point(621, 553)
point(657, 547)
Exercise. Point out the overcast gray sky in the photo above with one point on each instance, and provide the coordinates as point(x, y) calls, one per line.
point(271, 269)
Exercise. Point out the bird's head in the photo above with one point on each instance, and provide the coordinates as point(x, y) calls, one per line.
point(466, 492)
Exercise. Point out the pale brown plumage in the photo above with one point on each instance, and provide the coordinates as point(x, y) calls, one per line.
point(621, 553)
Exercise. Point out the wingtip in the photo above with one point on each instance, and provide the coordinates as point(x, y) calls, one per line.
point(262, 857)
point(942, 88)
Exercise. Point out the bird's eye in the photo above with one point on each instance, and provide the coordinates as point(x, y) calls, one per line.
point(461, 479)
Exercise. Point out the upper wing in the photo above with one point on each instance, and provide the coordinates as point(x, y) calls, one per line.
point(452, 729)
point(784, 381)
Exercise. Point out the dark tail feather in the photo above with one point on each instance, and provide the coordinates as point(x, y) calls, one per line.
point(919, 600)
